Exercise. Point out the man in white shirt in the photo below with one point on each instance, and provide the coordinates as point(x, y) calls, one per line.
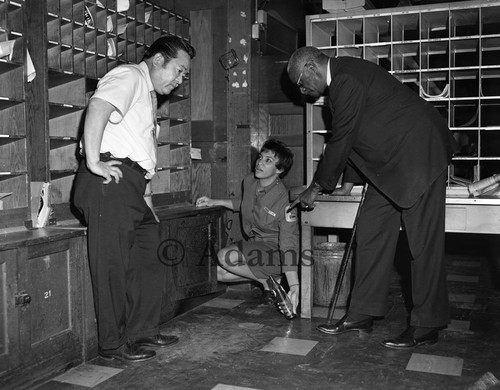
point(112, 192)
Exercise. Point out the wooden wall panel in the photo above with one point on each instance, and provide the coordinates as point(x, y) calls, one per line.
point(287, 124)
point(209, 84)
point(180, 180)
point(285, 121)
point(202, 69)
point(296, 176)
point(202, 180)
point(239, 159)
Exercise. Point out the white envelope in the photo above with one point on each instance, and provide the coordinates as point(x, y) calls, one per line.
point(109, 24)
point(6, 48)
point(122, 5)
point(111, 48)
point(30, 68)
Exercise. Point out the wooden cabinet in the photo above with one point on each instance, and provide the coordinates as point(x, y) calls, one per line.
point(449, 54)
point(191, 238)
point(43, 327)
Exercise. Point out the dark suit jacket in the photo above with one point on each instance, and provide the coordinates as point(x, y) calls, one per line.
point(397, 140)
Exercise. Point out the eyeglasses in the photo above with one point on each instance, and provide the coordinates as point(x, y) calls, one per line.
point(300, 76)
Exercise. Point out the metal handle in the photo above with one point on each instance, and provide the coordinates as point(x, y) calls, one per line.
point(22, 298)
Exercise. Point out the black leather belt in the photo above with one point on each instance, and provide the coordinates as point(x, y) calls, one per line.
point(127, 161)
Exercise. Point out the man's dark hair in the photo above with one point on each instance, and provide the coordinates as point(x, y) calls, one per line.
point(168, 47)
point(284, 154)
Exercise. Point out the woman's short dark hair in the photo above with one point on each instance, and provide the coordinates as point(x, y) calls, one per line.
point(284, 154)
point(169, 47)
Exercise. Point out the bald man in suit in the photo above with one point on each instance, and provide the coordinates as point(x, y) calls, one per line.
point(401, 146)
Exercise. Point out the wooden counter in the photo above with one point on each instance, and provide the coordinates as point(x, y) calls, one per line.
point(463, 215)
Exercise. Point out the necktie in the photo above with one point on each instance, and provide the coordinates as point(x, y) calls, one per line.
point(154, 103)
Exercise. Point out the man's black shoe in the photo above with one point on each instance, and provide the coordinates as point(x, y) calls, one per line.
point(159, 340)
point(343, 326)
point(128, 352)
point(408, 340)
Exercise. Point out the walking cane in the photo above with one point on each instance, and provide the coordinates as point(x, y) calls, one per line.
point(343, 265)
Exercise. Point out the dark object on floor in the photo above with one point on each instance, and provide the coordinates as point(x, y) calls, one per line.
point(159, 340)
point(343, 326)
point(408, 339)
point(128, 352)
point(267, 298)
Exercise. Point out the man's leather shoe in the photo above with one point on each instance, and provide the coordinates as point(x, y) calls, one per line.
point(407, 339)
point(128, 352)
point(159, 340)
point(343, 326)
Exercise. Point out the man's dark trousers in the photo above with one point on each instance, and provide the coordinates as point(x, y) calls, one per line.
point(377, 234)
point(123, 239)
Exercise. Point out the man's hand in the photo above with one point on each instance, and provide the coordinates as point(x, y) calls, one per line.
point(107, 169)
point(306, 198)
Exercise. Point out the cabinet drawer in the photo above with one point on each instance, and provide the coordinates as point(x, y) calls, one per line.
point(48, 272)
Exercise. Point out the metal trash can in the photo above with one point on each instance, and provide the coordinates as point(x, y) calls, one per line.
point(327, 257)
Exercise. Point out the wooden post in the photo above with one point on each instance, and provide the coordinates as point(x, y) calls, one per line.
point(239, 95)
point(36, 92)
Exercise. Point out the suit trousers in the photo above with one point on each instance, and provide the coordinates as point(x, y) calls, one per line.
point(377, 236)
point(123, 239)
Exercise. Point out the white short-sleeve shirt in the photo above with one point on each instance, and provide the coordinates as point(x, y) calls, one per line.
point(128, 132)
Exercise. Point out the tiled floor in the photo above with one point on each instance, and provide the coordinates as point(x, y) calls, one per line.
point(232, 342)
